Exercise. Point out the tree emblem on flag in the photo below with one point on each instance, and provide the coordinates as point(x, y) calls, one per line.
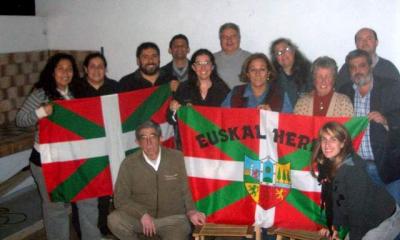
point(267, 181)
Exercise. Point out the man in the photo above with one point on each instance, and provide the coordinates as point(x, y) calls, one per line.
point(148, 74)
point(377, 98)
point(230, 59)
point(178, 68)
point(151, 194)
point(366, 39)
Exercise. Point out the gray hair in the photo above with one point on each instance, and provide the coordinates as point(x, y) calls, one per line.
point(325, 62)
point(148, 124)
point(358, 53)
point(231, 26)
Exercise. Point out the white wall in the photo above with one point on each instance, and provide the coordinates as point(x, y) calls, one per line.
point(22, 33)
point(319, 27)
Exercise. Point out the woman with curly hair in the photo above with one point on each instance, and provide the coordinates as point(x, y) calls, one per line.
point(293, 69)
point(57, 81)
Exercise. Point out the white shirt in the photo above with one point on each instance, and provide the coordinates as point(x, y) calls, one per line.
point(153, 163)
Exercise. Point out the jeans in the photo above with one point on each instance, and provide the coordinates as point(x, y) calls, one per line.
point(393, 188)
point(388, 229)
point(55, 214)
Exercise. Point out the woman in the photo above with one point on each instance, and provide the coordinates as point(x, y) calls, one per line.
point(261, 90)
point(57, 81)
point(95, 82)
point(293, 69)
point(349, 196)
point(324, 101)
point(204, 87)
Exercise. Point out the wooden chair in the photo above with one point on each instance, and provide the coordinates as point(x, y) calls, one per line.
point(225, 230)
point(295, 234)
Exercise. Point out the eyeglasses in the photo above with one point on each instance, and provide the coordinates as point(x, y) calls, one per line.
point(283, 51)
point(202, 63)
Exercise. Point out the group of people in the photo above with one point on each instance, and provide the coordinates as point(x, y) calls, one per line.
point(151, 193)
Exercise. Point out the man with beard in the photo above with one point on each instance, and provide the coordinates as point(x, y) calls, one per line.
point(379, 99)
point(148, 74)
point(366, 39)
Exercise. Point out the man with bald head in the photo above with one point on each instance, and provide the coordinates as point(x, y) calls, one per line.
point(366, 39)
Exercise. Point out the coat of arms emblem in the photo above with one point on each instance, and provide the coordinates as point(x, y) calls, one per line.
point(267, 181)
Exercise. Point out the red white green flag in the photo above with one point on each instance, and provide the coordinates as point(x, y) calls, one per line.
point(250, 166)
point(84, 141)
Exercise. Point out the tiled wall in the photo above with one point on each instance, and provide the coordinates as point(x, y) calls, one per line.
point(18, 72)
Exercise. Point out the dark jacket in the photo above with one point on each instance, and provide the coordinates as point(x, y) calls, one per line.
point(188, 93)
point(109, 86)
point(358, 203)
point(385, 99)
point(169, 69)
point(135, 81)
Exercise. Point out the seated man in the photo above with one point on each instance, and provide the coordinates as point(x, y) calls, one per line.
point(151, 194)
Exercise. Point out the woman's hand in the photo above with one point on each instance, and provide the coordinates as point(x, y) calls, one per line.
point(324, 232)
point(264, 107)
point(174, 105)
point(335, 235)
point(48, 108)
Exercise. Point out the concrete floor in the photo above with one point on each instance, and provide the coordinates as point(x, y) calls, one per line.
point(19, 211)
point(21, 217)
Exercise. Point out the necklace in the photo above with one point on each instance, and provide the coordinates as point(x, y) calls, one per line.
point(321, 106)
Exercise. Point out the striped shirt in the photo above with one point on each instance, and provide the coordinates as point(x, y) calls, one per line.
point(362, 108)
point(32, 110)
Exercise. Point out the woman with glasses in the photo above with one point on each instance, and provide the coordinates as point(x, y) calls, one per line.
point(203, 87)
point(293, 69)
point(323, 100)
point(261, 90)
point(349, 196)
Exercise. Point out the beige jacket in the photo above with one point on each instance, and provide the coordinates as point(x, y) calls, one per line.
point(340, 106)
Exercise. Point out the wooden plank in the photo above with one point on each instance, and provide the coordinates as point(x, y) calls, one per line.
point(13, 181)
point(297, 234)
point(224, 230)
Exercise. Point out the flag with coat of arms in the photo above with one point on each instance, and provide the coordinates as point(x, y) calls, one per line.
point(250, 166)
